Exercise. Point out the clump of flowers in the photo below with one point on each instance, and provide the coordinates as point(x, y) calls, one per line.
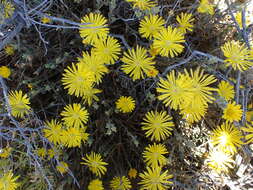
point(137, 63)
point(154, 178)
point(5, 72)
point(125, 104)
point(120, 183)
point(19, 103)
point(169, 42)
point(96, 30)
point(232, 112)
point(151, 25)
point(226, 90)
point(237, 55)
point(95, 163)
point(158, 125)
point(227, 138)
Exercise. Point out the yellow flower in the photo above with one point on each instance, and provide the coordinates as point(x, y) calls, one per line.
point(238, 18)
point(8, 9)
point(5, 72)
point(62, 167)
point(153, 51)
point(142, 4)
point(237, 55)
point(175, 90)
point(45, 19)
point(185, 22)
point(5, 153)
point(77, 79)
point(155, 179)
point(154, 155)
point(75, 115)
point(96, 30)
point(125, 104)
point(226, 90)
point(96, 184)
point(42, 152)
point(193, 112)
point(137, 62)
point(52, 152)
point(157, 125)
point(53, 131)
point(120, 183)
point(19, 103)
point(220, 161)
point(232, 112)
point(89, 94)
point(152, 73)
point(206, 6)
point(150, 26)
point(132, 173)
point(249, 130)
point(227, 138)
point(9, 50)
point(93, 64)
point(73, 137)
point(168, 42)
point(108, 50)
point(8, 182)
point(95, 163)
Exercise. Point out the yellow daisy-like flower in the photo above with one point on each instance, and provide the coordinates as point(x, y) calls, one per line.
point(8, 182)
point(206, 6)
point(75, 115)
point(5, 153)
point(9, 50)
point(154, 155)
point(152, 73)
point(77, 79)
point(238, 18)
point(193, 112)
point(125, 104)
point(5, 72)
point(226, 90)
point(108, 50)
point(94, 64)
point(120, 183)
point(132, 173)
point(45, 20)
point(150, 26)
point(175, 90)
point(96, 30)
point(155, 179)
point(237, 55)
point(248, 129)
point(8, 9)
point(142, 4)
point(53, 131)
point(89, 94)
point(158, 125)
point(73, 137)
point(62, 167)
point(220, 161)
point(232, 112)
point(227, 138)
point(95, 163)
point(137, 62)
point(185, 22)
point(19, 103)
point(168, 42)
point(96, 184)
point(42, 152)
